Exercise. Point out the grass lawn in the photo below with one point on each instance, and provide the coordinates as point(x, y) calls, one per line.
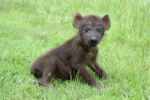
point(28, 28)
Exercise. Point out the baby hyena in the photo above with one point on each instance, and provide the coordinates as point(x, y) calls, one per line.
point(71, 58)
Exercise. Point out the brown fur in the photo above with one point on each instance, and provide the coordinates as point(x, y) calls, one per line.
point(66, 60)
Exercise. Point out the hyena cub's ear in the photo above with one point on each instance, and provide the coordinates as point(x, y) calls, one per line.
point(106, 22)
point(77, 20)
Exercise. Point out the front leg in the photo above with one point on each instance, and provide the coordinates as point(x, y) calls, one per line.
point(98, 70)
point(88, 78)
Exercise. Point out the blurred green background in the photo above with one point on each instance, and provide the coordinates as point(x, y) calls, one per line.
point(28, 28)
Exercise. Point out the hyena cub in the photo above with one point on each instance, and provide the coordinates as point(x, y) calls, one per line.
point(67, 60)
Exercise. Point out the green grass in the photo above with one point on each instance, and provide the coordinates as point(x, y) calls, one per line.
point(29, 28)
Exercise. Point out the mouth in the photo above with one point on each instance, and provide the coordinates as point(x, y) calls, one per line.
point(91, 44)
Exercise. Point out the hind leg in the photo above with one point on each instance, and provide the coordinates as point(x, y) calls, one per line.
point(48, 73)
point(45, 79)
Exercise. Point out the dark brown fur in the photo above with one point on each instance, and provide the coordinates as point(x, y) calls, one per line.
point(66, 60)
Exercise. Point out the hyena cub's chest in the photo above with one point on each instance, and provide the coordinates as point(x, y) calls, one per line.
point(90, 58)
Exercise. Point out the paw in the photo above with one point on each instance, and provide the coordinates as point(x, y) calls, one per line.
point(104, 75)
point(100, 86)
point(50, 86)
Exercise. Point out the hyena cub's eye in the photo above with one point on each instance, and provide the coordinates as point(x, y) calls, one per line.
point(86, 29)
point(99, 29)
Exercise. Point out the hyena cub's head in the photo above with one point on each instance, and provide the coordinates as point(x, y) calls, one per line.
point(91, 28)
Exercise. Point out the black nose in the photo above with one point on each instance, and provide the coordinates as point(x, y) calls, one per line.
point(93, 40)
